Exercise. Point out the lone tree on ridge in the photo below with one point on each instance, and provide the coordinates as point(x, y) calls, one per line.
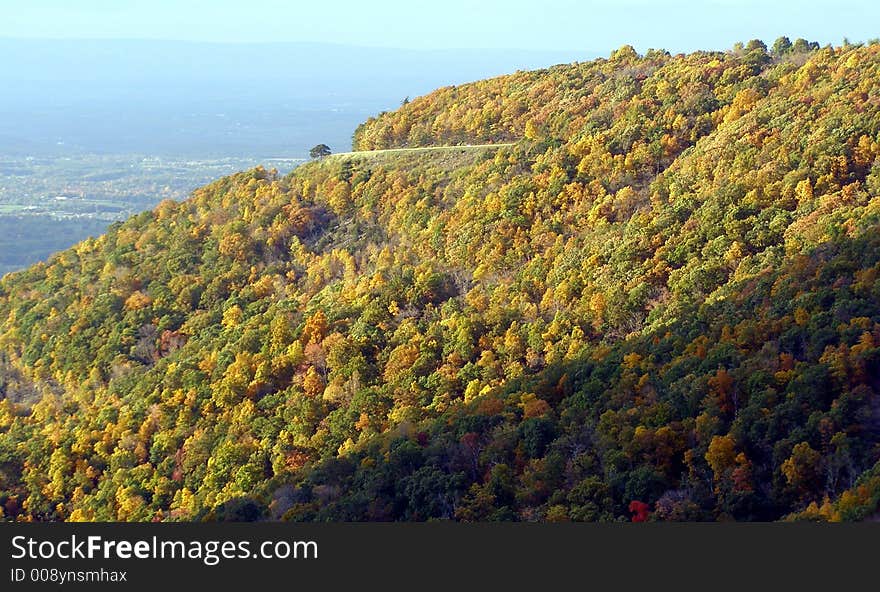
point(320, 151)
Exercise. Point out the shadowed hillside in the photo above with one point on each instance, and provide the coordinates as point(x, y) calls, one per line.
point(659, 300)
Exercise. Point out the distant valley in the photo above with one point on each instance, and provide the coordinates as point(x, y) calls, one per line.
point(92, 132)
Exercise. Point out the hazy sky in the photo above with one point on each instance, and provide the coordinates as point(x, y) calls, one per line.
point(534, 24)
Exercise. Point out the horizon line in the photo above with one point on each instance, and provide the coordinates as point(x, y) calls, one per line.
point(290, 42)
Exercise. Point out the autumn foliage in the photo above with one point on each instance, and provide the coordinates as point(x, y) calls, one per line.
point(661, 302)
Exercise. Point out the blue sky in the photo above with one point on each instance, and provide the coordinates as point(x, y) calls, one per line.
point(540, 24)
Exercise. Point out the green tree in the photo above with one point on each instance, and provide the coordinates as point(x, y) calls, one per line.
point(319, 151)
point(782, 46)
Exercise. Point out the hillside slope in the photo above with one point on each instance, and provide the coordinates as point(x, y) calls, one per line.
point(661, 302)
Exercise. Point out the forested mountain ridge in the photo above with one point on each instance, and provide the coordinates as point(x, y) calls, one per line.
point(661, 303)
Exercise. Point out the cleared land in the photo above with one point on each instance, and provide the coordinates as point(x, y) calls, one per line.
point(359, 153)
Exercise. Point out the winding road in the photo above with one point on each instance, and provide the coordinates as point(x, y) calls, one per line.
point(419, 149)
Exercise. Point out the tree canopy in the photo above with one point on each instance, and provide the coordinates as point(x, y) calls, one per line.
point(320, 151)
point(662, 302)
